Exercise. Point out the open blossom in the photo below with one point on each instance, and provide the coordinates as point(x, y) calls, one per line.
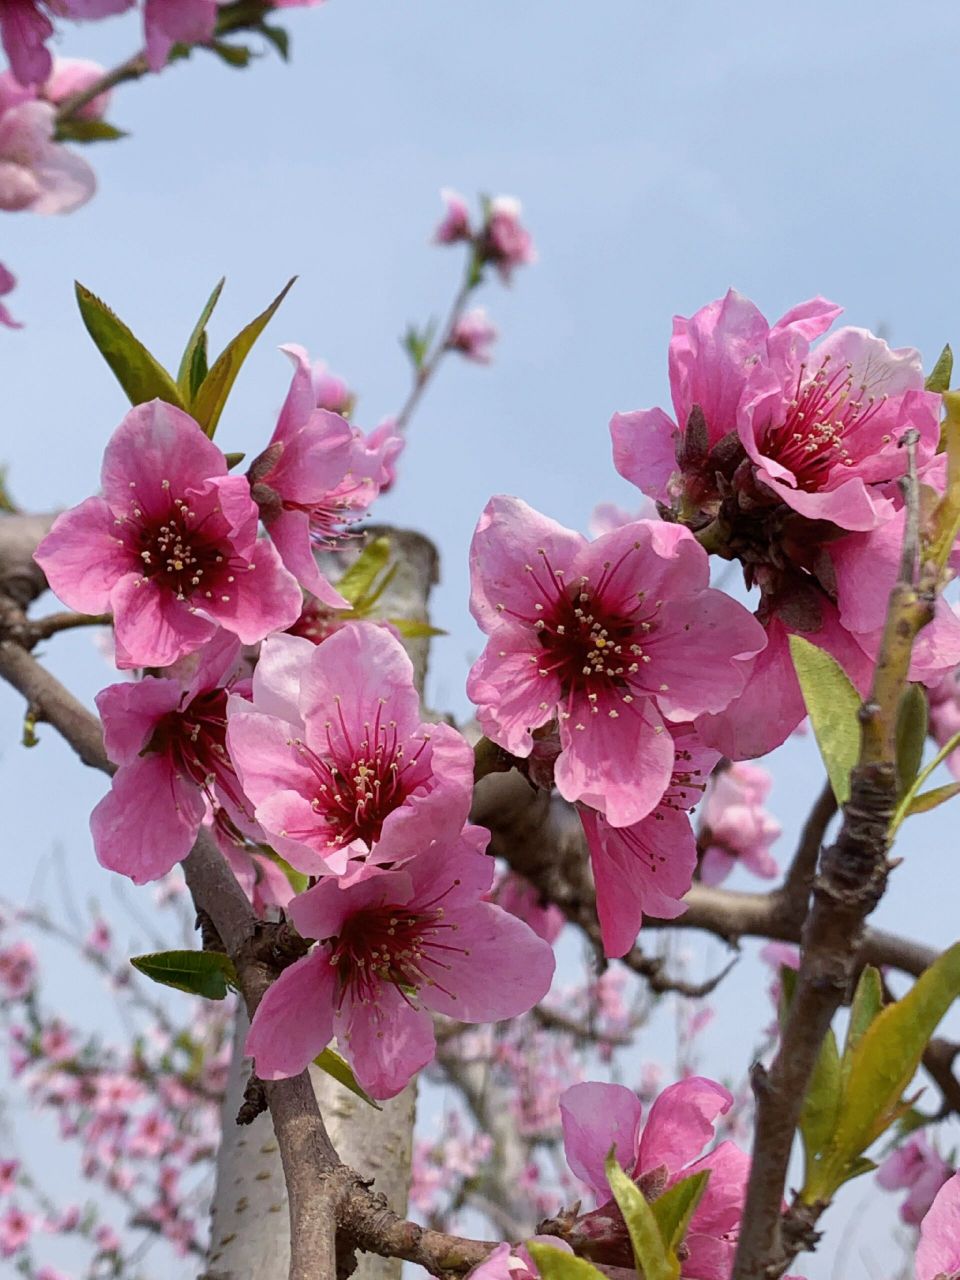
point(656, 1154)
point(36, 173)
point(168, 737)
point(938, 1253)
point(473, 336)
point(735, 827)
point(647, 867)
point(25, 28)
point(609, 638)
point(316, 476)
point(504, 241)
point(171, 548)
point(342, 774)
point(918, 1168)
point(392, 949)
point(455, 224)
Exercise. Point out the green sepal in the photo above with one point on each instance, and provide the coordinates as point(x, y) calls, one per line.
point(939, 377)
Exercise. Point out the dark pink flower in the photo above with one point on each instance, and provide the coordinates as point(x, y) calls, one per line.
point(504, 241)
point(25, 29)
point(8, 1176)
point(646, 868)
point(735, 827)
point(171, 548)
point(473, 336)
point(392, 949)
point(455, 224)
point(316, 476)
point(8, 283)
point(657, 1154)
point(918, 1168)
point(608, 638)
point(168, 737)
point(16, 1228)
point(938, 1253)
point(343, 775)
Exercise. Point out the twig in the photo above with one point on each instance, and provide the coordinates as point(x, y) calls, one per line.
point(795, 891)
point(133, 69)
point(43, 628)
point(428, 368)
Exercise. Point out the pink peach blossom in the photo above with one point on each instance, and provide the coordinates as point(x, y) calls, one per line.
point(36, 173)
point(918, 1168)
point(76, 75)
point(171, 548)
point(455, 224)
point(938, 1253)
point(16, 1228)
point(945, 716)
point(168, 737)
point(656, 1154)
point(473, 336)
point(608, 638)
point(504, 241)
point(392, 949)
point(342, 774)
point(647, 867)
point(735, 827)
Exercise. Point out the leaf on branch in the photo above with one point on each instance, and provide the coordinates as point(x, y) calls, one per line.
point(142, 377)
point(416, 342)
point(211, 396)
point(556, 1264)
point(939, 376)
point(278, 37)
point(931, 799)
point(193, 363)
point(833, 705)
point(234, 55)
point(866, 1004)
point(912, 716)
point(414, 629)
point(654, 1261)
point(341, 1071)
point(201, 973)
point(357, 583)
point(87, 131)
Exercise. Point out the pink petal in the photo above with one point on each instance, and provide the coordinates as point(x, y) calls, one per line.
point(681, 1122)
point(24, 31)
point(147, 822)
point(512, 696)
point(156, 442)
point(266, 598)
point(387, 1043)
point(645, 450)
point(294, 1020)
point(290, 531)
point(82, 557)
point(130, 712)
point(151, 627)
point(596, 1117)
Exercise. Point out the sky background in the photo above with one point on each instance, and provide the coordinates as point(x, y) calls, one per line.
point(662, 152)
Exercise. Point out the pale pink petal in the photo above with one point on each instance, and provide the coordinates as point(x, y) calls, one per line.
point(130, 712)
point(147, 822)
point(294, 1020)
point(645, 446)
point(156, 442)
point(596, 1117)
point(682, 1121)
point(264, 598)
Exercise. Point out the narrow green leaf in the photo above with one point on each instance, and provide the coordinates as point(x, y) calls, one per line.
point(279, 38)
point(674, 1209)
point(555, 1264)
point(866, 1004)
point(939, 377)
point(210, 399)
point(141, 376)
point(833, 704)
point(649, 1251)
point(363, 573)
point(234, 459)
point(819, 1112)
point(912, 716)
point(884, 1062)
point(189, 375)
point(87, 131)
point(202, 973)
point(413, 629)
point(331, 1062)
point(234, 55)
point(931, 799)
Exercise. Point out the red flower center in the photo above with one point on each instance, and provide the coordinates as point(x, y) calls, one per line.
point(824, 425)
point(182, 551)
point(195, 740)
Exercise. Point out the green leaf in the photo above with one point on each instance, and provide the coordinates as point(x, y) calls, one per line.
point(193, 363)
point(416, 342)
point(931, 799)
point(87, 131)
point(912, 716)
point(674, 1209)
point(413, 629)
point(210, 399)
point(142, 377)
point(202, 973)
point(337, 1067)
point(555, 1264)
point(234, 459)
point(363, 573)
point(882, 1064)
point(279, 38)
point(820, 1106)
point(649, 1251)
point(866, 1004)
point(833, 704)
point(939, 378)
point(234, 55)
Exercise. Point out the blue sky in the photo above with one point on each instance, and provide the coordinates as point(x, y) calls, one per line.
point(662, 151)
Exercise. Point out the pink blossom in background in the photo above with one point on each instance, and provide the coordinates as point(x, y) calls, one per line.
point(474, 335)
point(168, 737)
point(938, 1253)
point(342, 774)
point(392, 949)
point(656, 1154)
point(171, 549)
point(16, 1228)
point(8, 1176)
point(779, 955)
point(36, 173)
point(735, 827)
point(607, 638)
point(607, 516)
point(945, 717)
point(18, 970)
point(455, 224)
point(919, 1169)
point(522, 899)
point(504, 241)
point(316, 476)
point(647, 867)
point(8, 283)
